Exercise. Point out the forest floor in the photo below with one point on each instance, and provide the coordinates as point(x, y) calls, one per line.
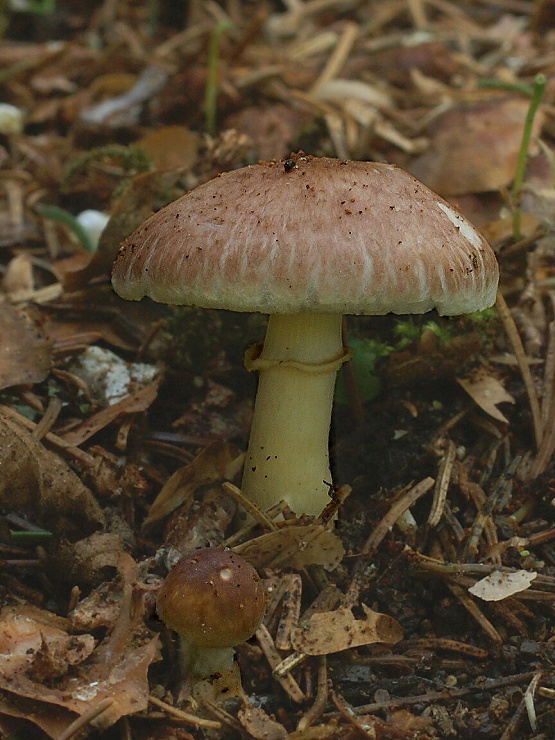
point(434, 588)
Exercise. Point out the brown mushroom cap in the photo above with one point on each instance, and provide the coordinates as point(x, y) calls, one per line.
point(212, 598)
point(310, 235)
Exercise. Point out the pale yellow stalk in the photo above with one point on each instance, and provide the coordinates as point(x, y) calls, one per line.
point(288, 456)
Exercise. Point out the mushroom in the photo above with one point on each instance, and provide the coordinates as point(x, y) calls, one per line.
point(306, 240)
point(214, 600)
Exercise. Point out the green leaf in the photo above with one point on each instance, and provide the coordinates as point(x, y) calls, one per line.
point(365, 353)
point(68, 219)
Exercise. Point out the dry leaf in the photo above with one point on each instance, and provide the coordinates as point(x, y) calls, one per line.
point(330, 632)
point(88, 561)
point(37, 668)
point(25, 352)
point(331, 731)
point(134, 403)
point(171, 146)
point(296, 546)
point(487, 392)
point(474, 146)
point(113, 677)
point(270, 129)
point(200, 521)
point(36, 642)
point(215, 462)
point(400, 723)
point(259, 725)
point(499, 585)
point(52, 722)
point(125, 685)
point(18, 278)
point(398, 63)
point(38, 482)
point(99, 609)
point(495, 231)
point(84, 324)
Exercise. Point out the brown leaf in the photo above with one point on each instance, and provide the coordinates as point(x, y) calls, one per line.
point(487, 392)
point(53, 722)
point(474, 146)
point(200, 522)
point(125, 685)
point(132, 404)
point(397, 63)
point(330, 632)
point(259, 725)
point(87, 561)
point(18, 277)
point(35, 642)
point(99, 609)
point(113, 677)
point(37, 482)
point(25, 351)
point(295, 546)
point(271, 129)
point(215, 462)
point(171, 146)
point(495, 231)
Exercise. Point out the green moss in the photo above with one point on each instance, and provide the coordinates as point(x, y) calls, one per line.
point(409, 330)
point(400, 334)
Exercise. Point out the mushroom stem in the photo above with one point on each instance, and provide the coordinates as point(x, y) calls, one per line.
point(288, 448)
point(201, 662)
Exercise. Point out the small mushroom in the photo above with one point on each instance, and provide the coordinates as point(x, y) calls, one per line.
point(306, 240)
point(214, 600)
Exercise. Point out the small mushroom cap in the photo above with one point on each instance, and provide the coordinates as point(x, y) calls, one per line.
point(212, 598)
point(310, 234)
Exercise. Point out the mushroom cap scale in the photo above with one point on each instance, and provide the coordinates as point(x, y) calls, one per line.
point(320, 235)
point(212, 598)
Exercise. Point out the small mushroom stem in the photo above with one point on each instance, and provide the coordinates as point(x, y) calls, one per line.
point(201, 662)
point(288, 455)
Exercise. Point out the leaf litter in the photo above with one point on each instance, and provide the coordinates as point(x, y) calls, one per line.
point(378, 623)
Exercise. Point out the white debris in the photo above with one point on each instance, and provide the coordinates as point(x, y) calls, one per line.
point(499, 585)
point(11, 119)
point(109, 379)
point(94, 223)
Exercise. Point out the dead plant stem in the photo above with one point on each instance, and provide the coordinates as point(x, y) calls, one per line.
point(518, 349)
